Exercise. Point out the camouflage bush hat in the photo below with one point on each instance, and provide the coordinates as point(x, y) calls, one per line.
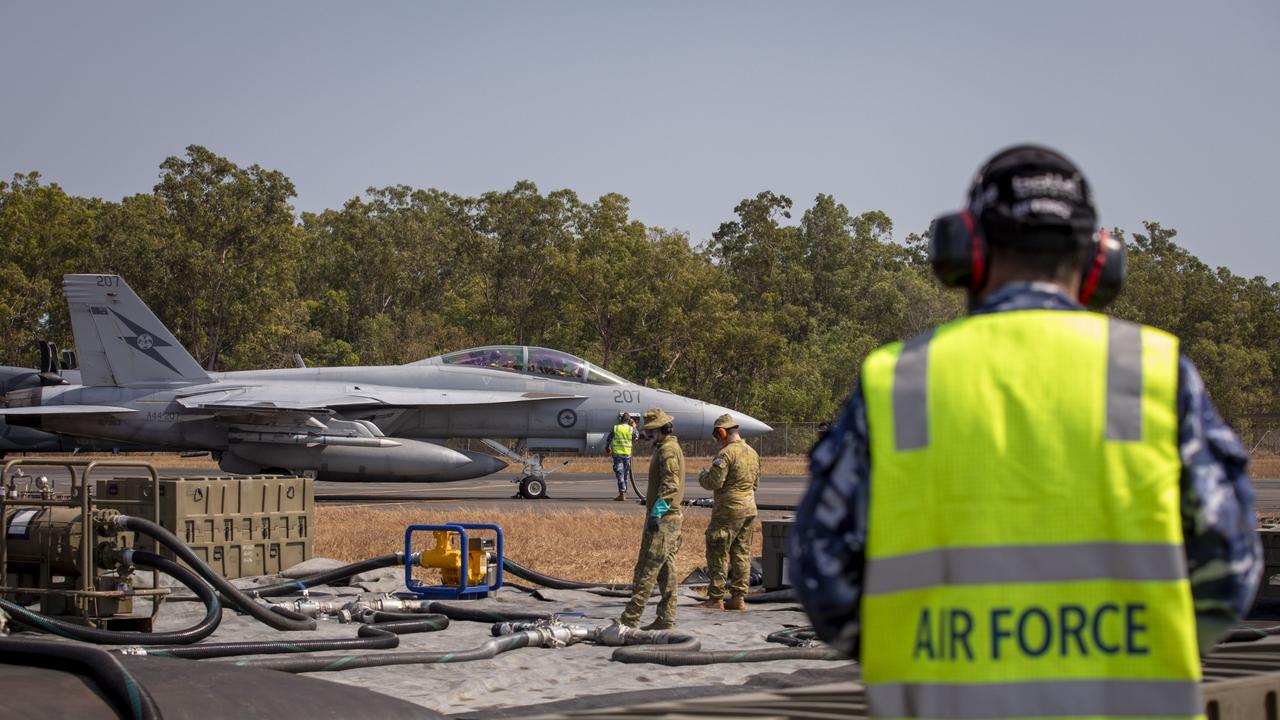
point(655, 418)
point(726, 421)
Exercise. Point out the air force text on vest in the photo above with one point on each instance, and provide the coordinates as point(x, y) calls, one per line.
point(949, 634)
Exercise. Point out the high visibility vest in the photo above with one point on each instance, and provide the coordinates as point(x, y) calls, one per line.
point(621, 444)
point(1024, 554)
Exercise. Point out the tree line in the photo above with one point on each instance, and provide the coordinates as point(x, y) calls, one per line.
point(771, 315)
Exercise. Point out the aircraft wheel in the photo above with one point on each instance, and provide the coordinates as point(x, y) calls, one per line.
point(533, 488)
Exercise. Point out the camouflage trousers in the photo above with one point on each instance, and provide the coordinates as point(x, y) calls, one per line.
point(729, 555)
point(657, 562)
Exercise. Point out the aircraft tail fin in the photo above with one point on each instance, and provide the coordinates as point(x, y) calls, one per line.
point(119, 341)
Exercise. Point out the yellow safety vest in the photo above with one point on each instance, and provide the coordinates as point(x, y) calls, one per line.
point(621, 444)
point(1024, 549)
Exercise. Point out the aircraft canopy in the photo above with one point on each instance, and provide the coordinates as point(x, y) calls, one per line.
point(533, 361)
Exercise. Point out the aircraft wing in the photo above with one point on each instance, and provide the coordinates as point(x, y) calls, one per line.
point(65, 410)
point(273, 400)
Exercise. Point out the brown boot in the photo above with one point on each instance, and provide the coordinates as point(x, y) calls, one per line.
point(660, 624)
point(621, 496)
point(736, 602)
point(712, 604)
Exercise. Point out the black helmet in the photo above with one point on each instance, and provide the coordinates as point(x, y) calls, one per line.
point(1028, 188)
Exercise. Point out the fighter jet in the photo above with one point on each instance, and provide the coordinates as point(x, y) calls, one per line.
point(375, 423)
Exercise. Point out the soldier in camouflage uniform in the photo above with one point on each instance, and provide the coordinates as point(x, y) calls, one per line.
point(734, 477)
point(663, 521)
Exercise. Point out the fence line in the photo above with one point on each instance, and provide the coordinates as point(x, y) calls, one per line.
point(796, 438)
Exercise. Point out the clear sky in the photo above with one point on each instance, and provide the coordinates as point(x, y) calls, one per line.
point(1171, 108)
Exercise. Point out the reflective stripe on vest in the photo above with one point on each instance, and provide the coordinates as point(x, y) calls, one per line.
point(1024, 549)
point(621, 444)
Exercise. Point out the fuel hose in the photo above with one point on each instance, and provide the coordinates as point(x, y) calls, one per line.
point(381, 634)
point(774, 596)
point(675, 648)
point(1249, 634)
point(199, 631)
point(275, 617)
point(325, 577)
point(672, 656)
point(794, 637)
point(128, 696)
point(332, 663)
point(461, 612)
point(555, 583)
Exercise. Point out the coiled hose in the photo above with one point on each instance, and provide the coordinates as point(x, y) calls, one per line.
point(327, 576)
point(199, 631)
point(330, 663)
point(382, 633)
point(673, 648)
point(275, 617)
point(114, 681)
point(794, 637)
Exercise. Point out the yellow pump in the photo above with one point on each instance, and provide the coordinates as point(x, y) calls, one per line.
point(447, 558)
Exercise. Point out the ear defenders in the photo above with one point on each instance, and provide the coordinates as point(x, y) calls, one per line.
point(960, 256)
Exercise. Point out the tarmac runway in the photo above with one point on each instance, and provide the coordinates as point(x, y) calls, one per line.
point(577, 490)
point(565, 491)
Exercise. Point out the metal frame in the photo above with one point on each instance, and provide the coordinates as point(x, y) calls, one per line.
point(463, 590)
point(88, 548)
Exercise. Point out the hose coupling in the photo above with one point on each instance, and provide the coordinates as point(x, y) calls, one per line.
point(131, 650)
point(552, 636)
point(615, 633)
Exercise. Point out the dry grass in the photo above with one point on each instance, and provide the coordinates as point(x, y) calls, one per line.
point(583, 545)
point(160, 460)
point(787, 465)
point(1262, 466)
point(1265, 466)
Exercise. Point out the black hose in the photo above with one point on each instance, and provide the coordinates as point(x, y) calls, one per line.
point(634, 488)
point(555, 583)
point(671, 656)
point(379, 635)
point(114, 681)
point(325, 577)
point(775, 596)
point(331, 663)
point(461, 612)
point(1249, 634)
point(199, 631)
point(275, 617)
point(677, 648)
point(794, 637)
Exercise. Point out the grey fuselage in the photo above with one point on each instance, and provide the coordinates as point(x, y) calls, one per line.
point(554, 414)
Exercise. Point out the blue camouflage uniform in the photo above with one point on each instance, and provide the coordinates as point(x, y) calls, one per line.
point(826, 550)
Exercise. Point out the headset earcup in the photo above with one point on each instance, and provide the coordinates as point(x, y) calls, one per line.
point(977, 252)
point(1105, 266)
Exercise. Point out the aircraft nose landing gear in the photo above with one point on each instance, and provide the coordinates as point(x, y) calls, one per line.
point(533, 477)
point(532, 487)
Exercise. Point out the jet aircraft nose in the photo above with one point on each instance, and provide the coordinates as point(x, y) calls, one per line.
point(748, 427)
